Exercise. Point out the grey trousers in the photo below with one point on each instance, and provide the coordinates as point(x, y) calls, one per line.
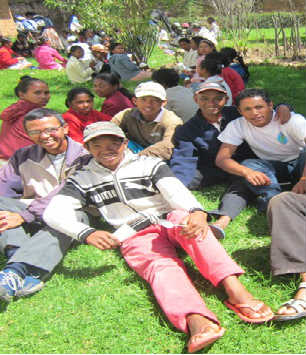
point(38, 245)
point(287, 218)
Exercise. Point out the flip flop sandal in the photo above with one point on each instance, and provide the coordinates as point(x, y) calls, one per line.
point(298, 305)
point(256, 307)
point(218, 232)
point(209, 339)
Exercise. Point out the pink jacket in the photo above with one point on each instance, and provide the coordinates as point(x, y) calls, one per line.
point(46, 55)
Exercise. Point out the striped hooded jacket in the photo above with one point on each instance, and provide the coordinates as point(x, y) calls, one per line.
point(136, 194)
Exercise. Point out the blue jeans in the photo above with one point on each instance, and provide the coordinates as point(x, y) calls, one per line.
point(277, 172)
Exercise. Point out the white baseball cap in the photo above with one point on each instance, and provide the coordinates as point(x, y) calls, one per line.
point(150, 88)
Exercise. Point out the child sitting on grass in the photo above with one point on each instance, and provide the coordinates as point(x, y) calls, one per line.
point(32, 93)
point(81, 112)
point(149, 124)
point(179, 98)
point(76, 70)
point(116, 98)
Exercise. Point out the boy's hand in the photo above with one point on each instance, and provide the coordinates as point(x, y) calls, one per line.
point(196, 225)
point(102, 240)
point(282, 114)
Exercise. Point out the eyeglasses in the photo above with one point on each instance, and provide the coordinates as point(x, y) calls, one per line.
point(49, 131)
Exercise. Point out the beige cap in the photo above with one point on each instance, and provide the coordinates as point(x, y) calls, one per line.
point(211, 86)
point(99, 48)
point(101, 129)
point(150, 88)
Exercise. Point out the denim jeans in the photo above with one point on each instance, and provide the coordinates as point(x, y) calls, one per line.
point(277, 172)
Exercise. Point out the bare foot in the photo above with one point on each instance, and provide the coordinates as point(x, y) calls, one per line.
point(203, 332)
point(239, 297)
point(222, 222)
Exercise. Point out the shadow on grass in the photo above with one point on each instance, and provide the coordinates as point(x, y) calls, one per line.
point(254, 259)
point(84, 273)
point(3, 306)
point(257, 224)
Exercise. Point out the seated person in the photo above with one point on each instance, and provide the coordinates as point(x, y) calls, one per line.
point(78, 71)
point(205, 47)
point(121, 64)
point(210, 70)
point(22, 46)
point(32, 173)
point(179, 98)
point(286, 214)
point(277, 147)
point(190, 55)
point(9, 59)
point(236, 62)
point(81, 113)
point(108, 182)
point(231, 77)
point(46, 56)
point(32, 93)
point(197, 145)
point(99, 53)
point(149, 124)
point(117, 98)
point(213, 28)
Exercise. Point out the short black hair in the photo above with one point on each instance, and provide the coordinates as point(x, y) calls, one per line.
point(4, 40)
point(113, 45)
point(73, 49)
point(166, 77)
point(210, 19)
point(246, 93)
point(39, 113)
point(184, 39)
point(213, 63)
point(76, 91)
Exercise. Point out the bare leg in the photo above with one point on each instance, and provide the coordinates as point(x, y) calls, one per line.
point(222, 222)
point(203, 332)
point(300, 295)
point(238, 294)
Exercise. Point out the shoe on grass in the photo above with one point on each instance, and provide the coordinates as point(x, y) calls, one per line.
point(10, 283)
point(31, 285)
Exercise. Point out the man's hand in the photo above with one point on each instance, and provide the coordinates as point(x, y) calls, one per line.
point(282, 114)
point(300, 187)
point(196, 225)
point(102, 240)
point(256, 178)
point(9, 220)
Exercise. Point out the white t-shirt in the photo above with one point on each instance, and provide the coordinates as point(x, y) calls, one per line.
point(271, 142)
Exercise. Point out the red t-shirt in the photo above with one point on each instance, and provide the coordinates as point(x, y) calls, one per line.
point(116, 103)
point(6, 58)
point(13, 135)
point(233, 80)
point(78, 122)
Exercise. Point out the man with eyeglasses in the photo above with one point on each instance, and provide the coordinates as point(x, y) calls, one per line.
point(27, 182)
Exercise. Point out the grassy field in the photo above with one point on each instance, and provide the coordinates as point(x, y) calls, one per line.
point(262, 37)
point(95, 304)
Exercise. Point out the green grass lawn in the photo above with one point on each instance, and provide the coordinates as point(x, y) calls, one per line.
point(95, 304)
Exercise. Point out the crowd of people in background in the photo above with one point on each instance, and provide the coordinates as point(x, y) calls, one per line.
point(136, 160)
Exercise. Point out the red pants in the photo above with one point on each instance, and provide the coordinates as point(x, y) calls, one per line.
point(151, 253)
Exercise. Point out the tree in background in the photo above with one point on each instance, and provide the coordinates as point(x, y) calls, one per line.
point(126, 20)
point(237, 19)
